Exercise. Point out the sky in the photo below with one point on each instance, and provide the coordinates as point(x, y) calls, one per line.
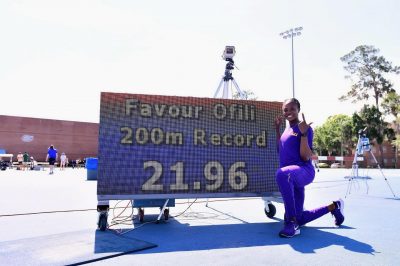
point(57, 56)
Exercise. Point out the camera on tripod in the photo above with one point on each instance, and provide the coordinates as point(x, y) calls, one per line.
point(229, 53)
point(362, 132)
point(363, 145)
point(227, 80)
point(363, 142)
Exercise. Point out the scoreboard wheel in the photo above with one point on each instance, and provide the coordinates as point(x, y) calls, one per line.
point(166, 214)
point(271, 212)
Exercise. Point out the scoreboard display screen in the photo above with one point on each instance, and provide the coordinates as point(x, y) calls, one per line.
point(153, 147)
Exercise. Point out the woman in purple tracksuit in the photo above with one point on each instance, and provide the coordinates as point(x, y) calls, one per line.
point(296, 171)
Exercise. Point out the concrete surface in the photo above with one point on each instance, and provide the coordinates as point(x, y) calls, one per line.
point(227, 232)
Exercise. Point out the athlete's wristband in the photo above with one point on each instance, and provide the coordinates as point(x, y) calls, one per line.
point(304, 134)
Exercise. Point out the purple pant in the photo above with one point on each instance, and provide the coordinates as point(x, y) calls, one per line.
point(291, 181)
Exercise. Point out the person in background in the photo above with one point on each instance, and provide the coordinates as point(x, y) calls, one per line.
point(20, 159)
point(33, 163)
point(296, 171)
point(51, 158)
point(63, 161)
point(73, 164)
point(26, 159)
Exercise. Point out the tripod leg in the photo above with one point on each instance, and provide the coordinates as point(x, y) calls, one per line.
point(352, 179)
point(219, 88)
point(238, 89)
point(225, 93)
point(354, 173)
point(366, 183)
point(349, 187)
point(387, 182)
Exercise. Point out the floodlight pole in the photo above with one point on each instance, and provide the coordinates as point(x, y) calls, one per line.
point(291, 34)
point(292, 68)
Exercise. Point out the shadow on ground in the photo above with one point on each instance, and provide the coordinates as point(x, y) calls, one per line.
point(175, 236)
point(72, 248)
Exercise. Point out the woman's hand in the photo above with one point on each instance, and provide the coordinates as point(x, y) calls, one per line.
point(278, 122)
point(305, 151)
point(303, 126)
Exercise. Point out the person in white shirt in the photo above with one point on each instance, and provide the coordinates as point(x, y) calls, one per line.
point(64, 161)
point(20, 159)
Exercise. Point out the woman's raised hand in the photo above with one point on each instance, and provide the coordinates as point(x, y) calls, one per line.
point(303, 125)
point(278, 122)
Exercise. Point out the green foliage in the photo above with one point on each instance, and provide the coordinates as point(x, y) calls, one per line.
point(396, 142)
point(377, 129)
point(371, 118)
point(320, 141)
point(335, 134)
point(367, 71)
point(391, 104)
point(247, 95)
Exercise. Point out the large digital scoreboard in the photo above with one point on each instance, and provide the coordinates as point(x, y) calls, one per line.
point(154, 147)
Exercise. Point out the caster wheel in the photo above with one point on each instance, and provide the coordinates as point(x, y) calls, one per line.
point(141, 215)
point(272, 210)
point(102, 222)
point(166, 214)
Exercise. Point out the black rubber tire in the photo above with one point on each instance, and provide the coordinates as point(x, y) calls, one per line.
point(166, 214)
point(102, 222)
point(272, 210)
point(141, 215)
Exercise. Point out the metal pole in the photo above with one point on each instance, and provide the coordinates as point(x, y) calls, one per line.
point(291, 33)
point(341, 148)
point(292, 66)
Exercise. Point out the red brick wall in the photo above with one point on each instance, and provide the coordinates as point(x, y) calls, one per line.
point(388, 156)
point(33, 135)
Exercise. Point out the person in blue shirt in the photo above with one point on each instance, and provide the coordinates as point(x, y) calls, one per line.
point(51, 158)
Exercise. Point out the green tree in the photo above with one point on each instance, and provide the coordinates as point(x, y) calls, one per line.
point(396, 144)
point(367, 71)
point(320, 141)
point(391, 106)
point(371, 118)
point(335, 136)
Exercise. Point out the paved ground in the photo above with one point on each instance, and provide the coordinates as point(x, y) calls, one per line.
point(227, 232)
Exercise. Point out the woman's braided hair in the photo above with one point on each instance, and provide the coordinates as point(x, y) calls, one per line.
point(293, 100)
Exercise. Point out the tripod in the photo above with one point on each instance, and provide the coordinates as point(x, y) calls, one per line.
point(226, 79)
point(363, 145)
point(269, 207)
